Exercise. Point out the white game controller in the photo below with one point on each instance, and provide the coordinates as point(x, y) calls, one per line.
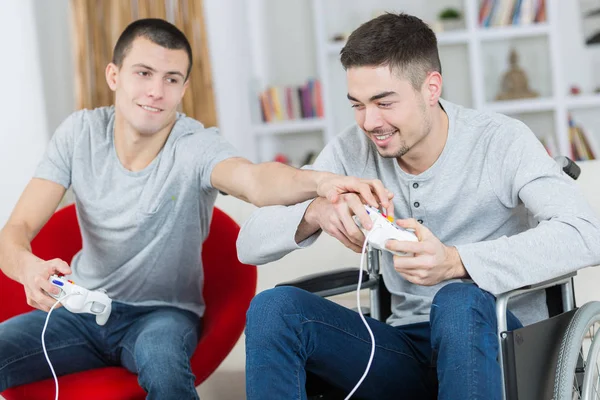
point(82, 300)
point(384, 229)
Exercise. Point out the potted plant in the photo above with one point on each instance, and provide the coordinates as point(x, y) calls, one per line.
point(451, 19)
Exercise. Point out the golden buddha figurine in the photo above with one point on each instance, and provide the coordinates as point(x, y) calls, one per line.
point(514, 82)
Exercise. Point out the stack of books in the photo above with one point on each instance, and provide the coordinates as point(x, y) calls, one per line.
point(582, 146)
point(282, 103)
point(511, 12)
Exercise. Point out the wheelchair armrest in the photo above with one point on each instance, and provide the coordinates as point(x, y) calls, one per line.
point(502, 300)
point(546, 284)
point(331, 283)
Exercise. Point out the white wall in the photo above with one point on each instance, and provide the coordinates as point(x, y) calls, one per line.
point(53, 22)
point(23, 136)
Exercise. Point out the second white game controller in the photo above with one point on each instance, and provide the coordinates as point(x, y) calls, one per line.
point(82, 300)
point(384, 229)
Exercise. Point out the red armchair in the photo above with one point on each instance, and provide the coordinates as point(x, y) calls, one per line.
point(226, 303)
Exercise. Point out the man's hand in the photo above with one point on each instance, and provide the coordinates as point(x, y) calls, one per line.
point(371, 191)
point(432, 263)
point(34, 278)
point(336, 219)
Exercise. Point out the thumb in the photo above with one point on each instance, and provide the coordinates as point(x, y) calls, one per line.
point(61, 267)
point(412, 224)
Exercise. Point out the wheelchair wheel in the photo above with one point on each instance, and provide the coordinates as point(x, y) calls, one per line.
point(578, 364)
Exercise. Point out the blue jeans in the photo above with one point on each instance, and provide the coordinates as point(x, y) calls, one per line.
point(290, 332)
point(156, 343)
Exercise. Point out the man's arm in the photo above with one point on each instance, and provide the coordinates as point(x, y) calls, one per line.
point(272, 232)
point(276, 183)
point(566, 239)
point(36, 205)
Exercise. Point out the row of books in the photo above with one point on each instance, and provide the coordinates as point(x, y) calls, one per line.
point(511, 12)
point(582, 145)
point(282, 103)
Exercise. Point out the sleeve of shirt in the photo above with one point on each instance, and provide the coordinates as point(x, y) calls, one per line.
point(214, 149)
point(57, 161)
point(269, 233)
point(567, 235)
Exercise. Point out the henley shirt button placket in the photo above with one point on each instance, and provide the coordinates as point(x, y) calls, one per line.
point(416, 204)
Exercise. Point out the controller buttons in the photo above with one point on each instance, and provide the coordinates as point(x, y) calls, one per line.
point(390, 218)
point(57, 282)
point(71, 282)
point(97, 307)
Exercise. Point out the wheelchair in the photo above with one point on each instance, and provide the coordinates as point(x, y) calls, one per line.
point(557, 358)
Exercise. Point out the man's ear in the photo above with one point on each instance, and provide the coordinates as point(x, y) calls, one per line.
point(185, 86)
point(112, 73)
point(433, 87)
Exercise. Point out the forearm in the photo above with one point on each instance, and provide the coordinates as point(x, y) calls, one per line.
point(551, 249)
point(269, 234)
point(276, 183)
point(15, 250)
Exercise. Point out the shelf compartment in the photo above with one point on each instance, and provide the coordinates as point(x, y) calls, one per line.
point(290, 126)
point(521, 105)
point(583, 101)
point(510, 32)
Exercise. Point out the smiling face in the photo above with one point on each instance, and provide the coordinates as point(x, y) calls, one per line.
point(394, 115)
point(148, 86)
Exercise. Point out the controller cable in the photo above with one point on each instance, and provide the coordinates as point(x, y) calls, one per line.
point(44, 343)
point(362, 258)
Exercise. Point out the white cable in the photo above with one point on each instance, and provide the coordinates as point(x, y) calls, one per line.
point(362, 258)
point(44, 343)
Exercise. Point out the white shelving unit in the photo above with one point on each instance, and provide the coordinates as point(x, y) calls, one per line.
point(472, 86)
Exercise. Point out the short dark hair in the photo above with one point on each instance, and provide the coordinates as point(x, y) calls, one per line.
point(401, 41)
point(157, 31)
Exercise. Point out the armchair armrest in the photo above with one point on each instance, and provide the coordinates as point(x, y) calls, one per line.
point(332, 283)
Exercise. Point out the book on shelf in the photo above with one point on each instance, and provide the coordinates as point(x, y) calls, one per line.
point(511, 12)
point(582, 145)
point(285, 103)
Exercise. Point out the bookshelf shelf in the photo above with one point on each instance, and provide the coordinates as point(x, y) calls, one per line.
point(444, 38)
point(291, 126)
point(514, 32)
point(521, 106)
point(583, 101)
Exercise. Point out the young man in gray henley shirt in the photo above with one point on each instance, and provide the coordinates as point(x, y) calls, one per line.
point(461, 178)
point(145, 180)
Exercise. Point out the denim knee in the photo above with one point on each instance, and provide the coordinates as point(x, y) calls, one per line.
point(454, 303)
point(268, 308)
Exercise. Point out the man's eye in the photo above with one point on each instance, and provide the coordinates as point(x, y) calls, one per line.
point(356, 105)
point(385, 105)
point(143, 73)
point(172, 80)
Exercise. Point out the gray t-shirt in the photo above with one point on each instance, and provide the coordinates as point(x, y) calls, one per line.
point(142, 231)
point(473, 197)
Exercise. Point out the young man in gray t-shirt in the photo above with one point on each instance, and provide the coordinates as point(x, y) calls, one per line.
point(145, 180)
point(461, 180)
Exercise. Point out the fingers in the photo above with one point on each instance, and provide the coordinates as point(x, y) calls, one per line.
point(366, 189)
point(402, 246)
point(58, 265)
point(383, 195)
point(345, 241)
point(352, 231)
point(358, 209)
